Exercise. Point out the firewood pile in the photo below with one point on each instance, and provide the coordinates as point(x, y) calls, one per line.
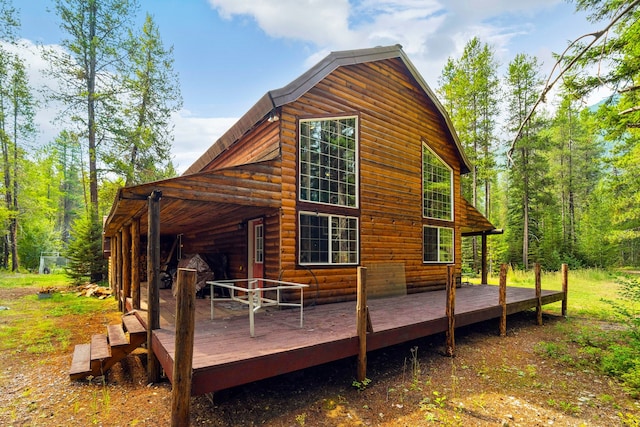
point(93, 290)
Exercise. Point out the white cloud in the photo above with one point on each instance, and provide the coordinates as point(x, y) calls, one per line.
point(430, 31)
point(194, 135)
point(317, 21)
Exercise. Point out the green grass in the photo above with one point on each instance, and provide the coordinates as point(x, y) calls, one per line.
point(42, 326)
point(23, 280)
point(589, 291)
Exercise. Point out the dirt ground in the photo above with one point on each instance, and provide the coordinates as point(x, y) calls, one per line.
point(492, 381)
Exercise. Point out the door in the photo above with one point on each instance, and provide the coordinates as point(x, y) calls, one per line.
point(256, 251)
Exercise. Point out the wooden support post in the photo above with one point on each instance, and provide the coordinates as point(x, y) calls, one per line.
point(485, 273)
point(135, 263)
point(361, 322)
point(126, 266)
point(503, 299)
point(110, 265)
point(538, 293)
point(153, 283)
point(565, 288)
point(451, 311)
point(118, 289)
point(182, 363)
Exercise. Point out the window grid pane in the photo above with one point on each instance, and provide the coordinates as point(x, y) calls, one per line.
point(315, 247)
point(328, 161)
point(259, 241)
point(314, 239)
point(436, 182)
point(438, 244)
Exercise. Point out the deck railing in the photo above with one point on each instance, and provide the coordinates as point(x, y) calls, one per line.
point(254, 296)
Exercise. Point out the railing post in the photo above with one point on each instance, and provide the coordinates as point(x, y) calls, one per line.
point(153, 283)
point(451, 311)
point(183, 360)
point(565, 288)
point(503, 299)
point(538, 293)
point(361, 323)
point(250, 296)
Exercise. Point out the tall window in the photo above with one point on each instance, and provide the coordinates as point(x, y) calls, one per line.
point(437, 186)
point(328, 239)
point(328, 161)
point(259, 244)
point(438, 244)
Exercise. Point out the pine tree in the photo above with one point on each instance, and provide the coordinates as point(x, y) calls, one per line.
point(528, 182)
point(142, 151)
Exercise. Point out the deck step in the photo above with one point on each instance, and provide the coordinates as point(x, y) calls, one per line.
point(100, 349)
point(106, 350)
point(132, 325)
point(81, 363)
point(117, 337)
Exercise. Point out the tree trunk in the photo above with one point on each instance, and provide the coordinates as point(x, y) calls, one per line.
point(91, 114)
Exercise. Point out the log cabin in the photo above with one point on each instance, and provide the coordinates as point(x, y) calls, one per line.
point(354, 163)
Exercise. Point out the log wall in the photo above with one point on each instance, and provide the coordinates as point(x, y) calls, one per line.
point(394, 117)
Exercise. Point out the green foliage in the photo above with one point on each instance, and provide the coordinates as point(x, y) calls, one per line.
point(361, 385)
point(142, 152)
point(85, 251)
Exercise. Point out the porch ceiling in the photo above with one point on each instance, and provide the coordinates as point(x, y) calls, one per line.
point(200, 201)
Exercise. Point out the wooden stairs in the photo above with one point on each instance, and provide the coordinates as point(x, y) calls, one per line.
point(96, 358)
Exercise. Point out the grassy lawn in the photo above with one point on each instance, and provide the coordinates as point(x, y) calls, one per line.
point(590, 291)
point(30, 325)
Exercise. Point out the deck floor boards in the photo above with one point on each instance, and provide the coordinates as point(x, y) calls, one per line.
point(225, 355)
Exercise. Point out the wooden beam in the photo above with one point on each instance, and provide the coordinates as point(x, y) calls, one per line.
point(565, 288)
point(118, 288)
point(503, 299)
point(361, 323)
point(483, 249)
point(537, 271)
point(126, 266)
point(182, 364)
point(450, 311)
point(135, 263)
point(153, 282)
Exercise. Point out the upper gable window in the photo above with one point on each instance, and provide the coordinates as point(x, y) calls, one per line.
point(329, 161)
point(437, 186)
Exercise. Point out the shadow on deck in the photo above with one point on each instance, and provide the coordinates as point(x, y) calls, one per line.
point(225, 355)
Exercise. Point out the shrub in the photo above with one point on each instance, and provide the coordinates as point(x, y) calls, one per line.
point(85, 251)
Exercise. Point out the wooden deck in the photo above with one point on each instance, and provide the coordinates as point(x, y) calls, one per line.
point(226, 356)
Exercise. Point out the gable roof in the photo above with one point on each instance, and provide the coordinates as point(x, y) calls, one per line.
point(289, 93)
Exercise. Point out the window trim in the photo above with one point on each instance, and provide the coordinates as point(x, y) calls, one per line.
point(451, 189)
point(329, 217)
point(453, 245)
point(258, 254)
point(356, 160)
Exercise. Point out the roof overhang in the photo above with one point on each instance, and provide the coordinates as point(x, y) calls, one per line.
point(474, 223)
point(200, 201)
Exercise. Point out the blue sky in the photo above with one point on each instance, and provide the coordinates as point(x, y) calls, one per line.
point(228, 53)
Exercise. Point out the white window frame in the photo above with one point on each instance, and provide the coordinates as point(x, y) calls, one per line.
point(330, 240)
point(259, 244)
point(441, 249)
point(451, 198)
point(305, 157)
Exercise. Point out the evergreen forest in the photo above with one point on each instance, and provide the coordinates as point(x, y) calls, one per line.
point(558, 173)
